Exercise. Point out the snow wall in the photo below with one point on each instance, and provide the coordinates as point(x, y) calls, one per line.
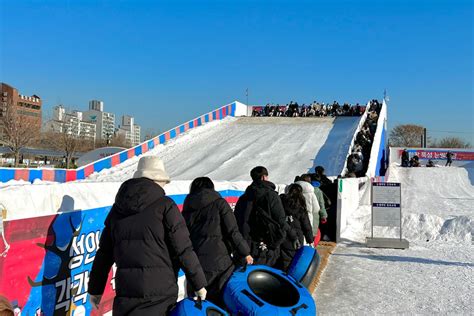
point(65, 175)
point(378, 154)
point(46, 259)
point(353, 192)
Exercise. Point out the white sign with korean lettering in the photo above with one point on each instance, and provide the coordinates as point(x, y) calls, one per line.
point(386, 200)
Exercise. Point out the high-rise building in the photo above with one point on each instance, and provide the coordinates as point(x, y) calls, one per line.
point(130, 130)
point(71, 123)
point(96, 105)
point(105, 122)
point(28, 107)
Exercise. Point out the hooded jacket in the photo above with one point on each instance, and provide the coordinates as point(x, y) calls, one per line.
point(299, 222)
point(146, 236)
point(312, 204)
point(213, 230)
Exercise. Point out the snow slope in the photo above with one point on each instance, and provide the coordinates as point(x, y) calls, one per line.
point(434, 276)
point(229, 149)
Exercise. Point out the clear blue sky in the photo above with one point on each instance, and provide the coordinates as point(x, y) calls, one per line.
point(168, 61)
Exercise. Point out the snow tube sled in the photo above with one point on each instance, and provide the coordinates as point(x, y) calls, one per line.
point(189, 307)
point(304, 266)
point(261, 290)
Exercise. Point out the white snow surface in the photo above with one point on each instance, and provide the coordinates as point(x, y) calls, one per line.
point(429, 279)
point(434, 276)
point(227, 150)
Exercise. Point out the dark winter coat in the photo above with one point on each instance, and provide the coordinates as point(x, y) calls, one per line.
point(146, 236)
point(298, 220)
point(449, 156)
point(261, 194)
point(214, 234)
point(405, 158)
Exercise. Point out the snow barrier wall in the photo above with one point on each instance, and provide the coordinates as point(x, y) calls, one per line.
point(67, 175)
point(353, 192)
point(378, 153)
point(50, 238)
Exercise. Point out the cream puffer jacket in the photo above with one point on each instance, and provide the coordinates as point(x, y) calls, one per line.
point(312, 205)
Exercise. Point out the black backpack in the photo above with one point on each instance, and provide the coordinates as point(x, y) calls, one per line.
point(264, 228)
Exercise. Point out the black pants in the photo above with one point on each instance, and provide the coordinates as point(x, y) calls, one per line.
point(131, 306)
point(329, 229)
point(216, 282)
point(266, 257)
point(286, 256)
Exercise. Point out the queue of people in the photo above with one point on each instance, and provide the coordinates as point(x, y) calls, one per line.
point(149, 240)
point(315, 109)
point(358, 160)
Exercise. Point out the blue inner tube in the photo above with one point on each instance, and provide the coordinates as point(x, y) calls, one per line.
point(304, 266)
point(261, 290)
point(189, 307)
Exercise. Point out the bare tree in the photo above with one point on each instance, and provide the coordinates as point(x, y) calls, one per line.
point(149, 134)
point(407, 135)
point(19, 131)
point(119, 141)
point(86, 145)
point(66, 141)
point(451, 142)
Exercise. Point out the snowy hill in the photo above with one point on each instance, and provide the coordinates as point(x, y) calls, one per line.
point(434, 276)
point(437, 203)
point(229, 149)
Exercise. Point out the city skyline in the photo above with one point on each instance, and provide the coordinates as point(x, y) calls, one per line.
point(172, 61)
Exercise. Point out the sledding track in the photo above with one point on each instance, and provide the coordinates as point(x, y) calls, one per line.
point(228, 149)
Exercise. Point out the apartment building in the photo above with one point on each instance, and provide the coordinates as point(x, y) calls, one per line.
point(130, 130)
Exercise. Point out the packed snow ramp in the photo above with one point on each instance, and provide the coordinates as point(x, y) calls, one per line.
point(230, 148)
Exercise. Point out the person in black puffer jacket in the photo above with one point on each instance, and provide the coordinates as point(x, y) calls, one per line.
point(146, 236)
point(214, 234)
point(297, 218)
point(261, 218)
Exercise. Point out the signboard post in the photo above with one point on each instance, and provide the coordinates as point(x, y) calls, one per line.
point(386, 212)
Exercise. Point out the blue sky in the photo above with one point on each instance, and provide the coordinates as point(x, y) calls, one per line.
point(168, 61)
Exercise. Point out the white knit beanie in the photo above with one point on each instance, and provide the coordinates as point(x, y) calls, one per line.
point(152, 167)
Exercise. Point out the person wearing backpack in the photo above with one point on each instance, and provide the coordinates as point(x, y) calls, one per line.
point(297, 218)
point(215, 236)
point(261, 218)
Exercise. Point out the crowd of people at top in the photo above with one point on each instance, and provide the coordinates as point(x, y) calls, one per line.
point(149, 239)
point(293, 109)
point(358, 160)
